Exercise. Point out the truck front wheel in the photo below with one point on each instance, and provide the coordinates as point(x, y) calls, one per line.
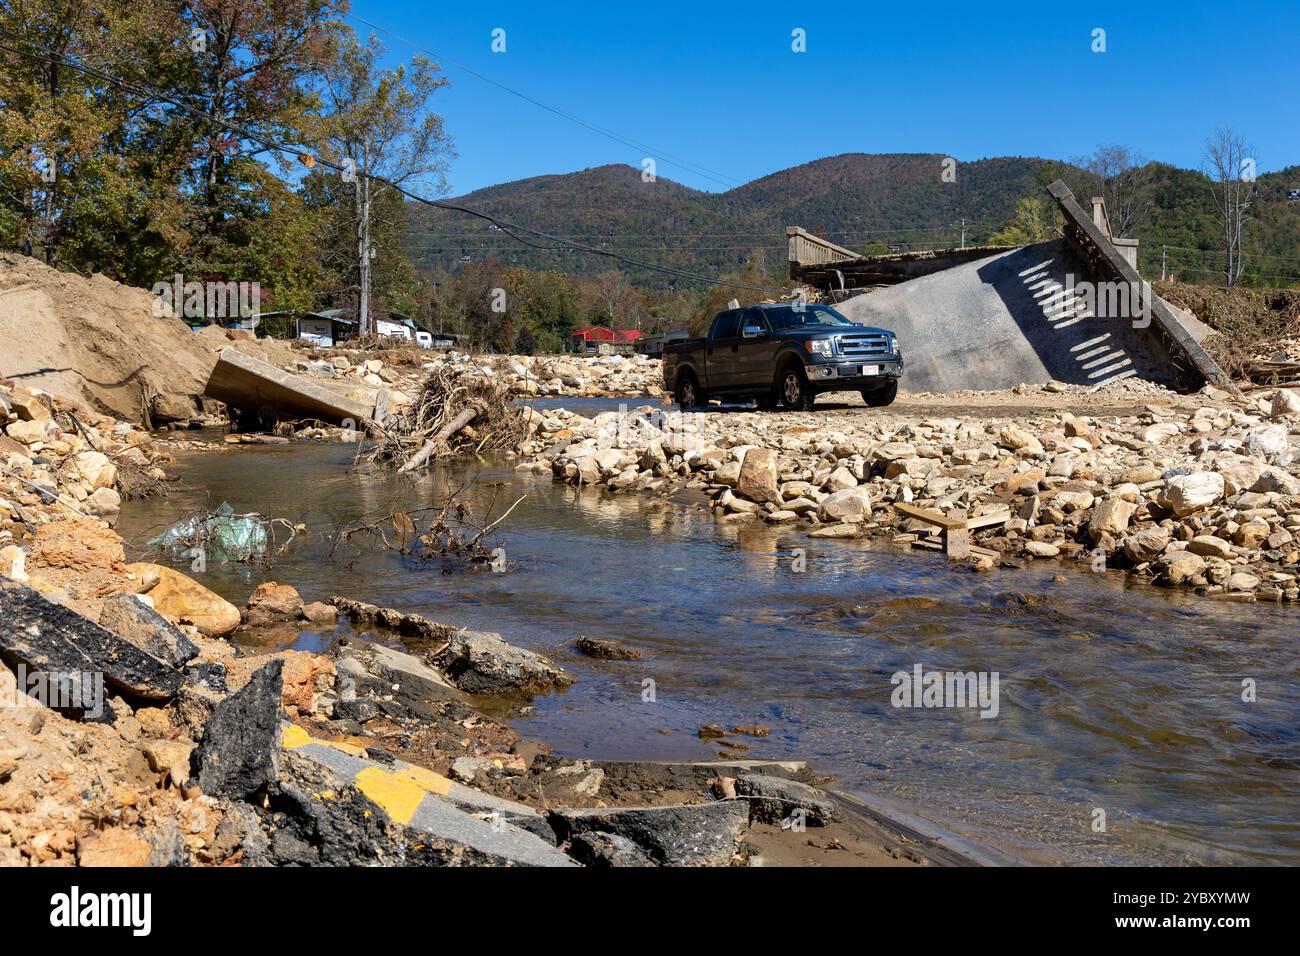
point(880, 397)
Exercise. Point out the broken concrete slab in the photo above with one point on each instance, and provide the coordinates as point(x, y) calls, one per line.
point(480, 662)
point(607, 849)
point(240, 751)
point(773, 799)
point(133, 620)
point(55, 640)
point(401, 683)
point(697, 834)
point(477, 662)
point(366, 615)
point(696, 776)
point(1110, 265)
point(1011, 317)
point(261, 389)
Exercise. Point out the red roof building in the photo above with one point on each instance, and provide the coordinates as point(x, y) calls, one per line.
point(597, 333)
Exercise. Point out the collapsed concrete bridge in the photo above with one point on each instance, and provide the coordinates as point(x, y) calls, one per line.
point(1072, 309)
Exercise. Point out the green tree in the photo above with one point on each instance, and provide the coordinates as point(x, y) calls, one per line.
point(1035, 220)
point(377, 124)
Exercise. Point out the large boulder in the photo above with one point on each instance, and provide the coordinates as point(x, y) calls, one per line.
point(95, 469)
point(1186, 494)
point(29, 433)
point(1178, 567)
point(28, 406)
point(847, 503)
point(272, 603)
point(1269, 442)
point(1015, 438)
point(1286, 402)
point(1146, 545)
point(1111, 517)
point(183, 600)
point(758, 480)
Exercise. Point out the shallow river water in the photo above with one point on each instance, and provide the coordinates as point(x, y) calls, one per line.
point(1115, 698)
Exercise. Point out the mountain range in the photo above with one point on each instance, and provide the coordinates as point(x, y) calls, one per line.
point(867, 202)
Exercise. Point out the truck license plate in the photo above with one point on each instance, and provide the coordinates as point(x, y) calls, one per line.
point(871, 370)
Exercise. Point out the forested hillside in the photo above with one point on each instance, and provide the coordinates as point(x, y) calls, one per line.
point(866, 202)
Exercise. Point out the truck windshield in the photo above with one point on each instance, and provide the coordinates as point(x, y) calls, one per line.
point(790, 317)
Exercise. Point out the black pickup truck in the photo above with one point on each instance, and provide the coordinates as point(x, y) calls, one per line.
point(783, 356)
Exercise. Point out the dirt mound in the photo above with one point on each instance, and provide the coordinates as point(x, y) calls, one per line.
point(98, 341)
point(1258, 328)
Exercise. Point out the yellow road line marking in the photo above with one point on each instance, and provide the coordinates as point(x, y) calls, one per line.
point(398, 796)
point(427, 779)
point(295, 737)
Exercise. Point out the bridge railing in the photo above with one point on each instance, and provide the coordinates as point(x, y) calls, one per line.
point(808, 250)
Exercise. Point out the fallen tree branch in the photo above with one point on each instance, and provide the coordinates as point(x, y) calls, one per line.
point(442, 435)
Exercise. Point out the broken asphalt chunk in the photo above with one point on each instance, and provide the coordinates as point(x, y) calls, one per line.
point(54, 640)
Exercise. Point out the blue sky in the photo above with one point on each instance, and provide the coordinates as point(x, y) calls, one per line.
point(717, 86)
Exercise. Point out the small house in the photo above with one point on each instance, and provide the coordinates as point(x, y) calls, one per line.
point(587, 339)
point(326, 328)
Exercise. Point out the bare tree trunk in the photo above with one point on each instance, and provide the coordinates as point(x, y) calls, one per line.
point(1226, 163)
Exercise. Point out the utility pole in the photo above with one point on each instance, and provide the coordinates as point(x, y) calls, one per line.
point(364, 252)
point(963, 232)
point(1164, 251)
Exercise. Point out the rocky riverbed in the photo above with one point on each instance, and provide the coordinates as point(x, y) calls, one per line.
point(205, 746)
point(1195, 491)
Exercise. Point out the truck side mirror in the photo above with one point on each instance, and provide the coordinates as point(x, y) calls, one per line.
point(753, 332)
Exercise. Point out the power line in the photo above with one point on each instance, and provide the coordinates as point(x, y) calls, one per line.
point(507, 227)
point(701, 171)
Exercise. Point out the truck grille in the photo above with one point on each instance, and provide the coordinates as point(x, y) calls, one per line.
point(859, 344)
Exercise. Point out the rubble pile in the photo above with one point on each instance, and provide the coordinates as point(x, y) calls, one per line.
point(611, 375)
point(60, 459)
point(1202, 494)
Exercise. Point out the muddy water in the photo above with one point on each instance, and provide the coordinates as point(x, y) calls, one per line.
point(1114, 697)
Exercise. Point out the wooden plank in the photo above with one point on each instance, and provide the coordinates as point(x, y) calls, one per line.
point(984, 521)
point(956, 541)
point(929, 516)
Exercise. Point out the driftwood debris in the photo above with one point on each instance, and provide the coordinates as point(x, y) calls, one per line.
point(461, 408)
point(953, 529)
point(440, 438)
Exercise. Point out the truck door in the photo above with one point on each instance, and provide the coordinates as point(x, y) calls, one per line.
point(722, 351)
point(757, 350)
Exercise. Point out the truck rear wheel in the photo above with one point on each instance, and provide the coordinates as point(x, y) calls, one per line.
point(880, 397)
point(792, 391)
point(688, 393)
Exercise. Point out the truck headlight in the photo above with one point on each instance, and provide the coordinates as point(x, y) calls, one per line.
point(820, 347)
